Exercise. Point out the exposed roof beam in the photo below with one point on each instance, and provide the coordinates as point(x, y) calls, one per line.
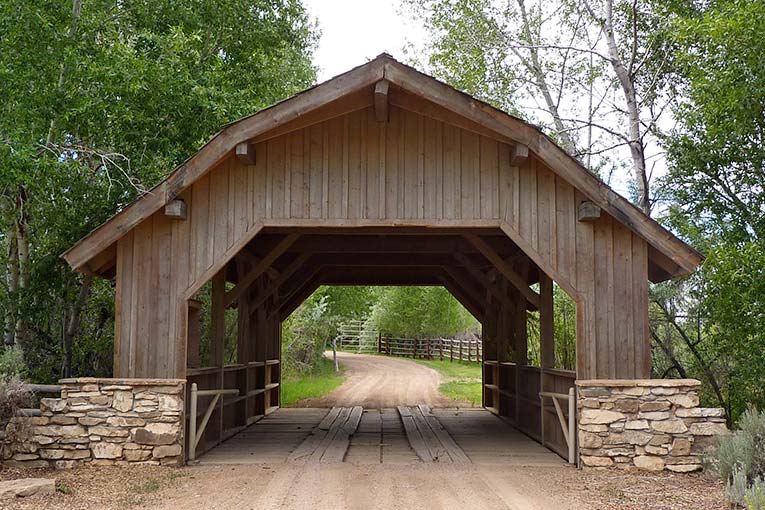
point(504, 268)
point(483, 279)
point(261, 267)
point(285, 274)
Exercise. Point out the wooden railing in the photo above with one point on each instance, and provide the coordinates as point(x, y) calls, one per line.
point(567, 422)
point(196, 434)
point(523, 407)
point(431, 348)
point(257, 394)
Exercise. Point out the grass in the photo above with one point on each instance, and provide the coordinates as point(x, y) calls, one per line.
point(321, 381)
point(460, 380)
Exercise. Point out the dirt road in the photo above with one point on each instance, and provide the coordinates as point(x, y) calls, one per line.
point(381, 381)
point(342, 486)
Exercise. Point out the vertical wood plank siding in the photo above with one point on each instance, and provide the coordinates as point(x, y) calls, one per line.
point(413, 168)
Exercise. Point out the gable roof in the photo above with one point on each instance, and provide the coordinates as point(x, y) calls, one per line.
point(673, 252)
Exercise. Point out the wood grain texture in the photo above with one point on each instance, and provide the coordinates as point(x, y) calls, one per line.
point(352, 170)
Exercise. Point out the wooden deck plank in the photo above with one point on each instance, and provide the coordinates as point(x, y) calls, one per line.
point(338, 447)
point(437, 450)
point(413, 434)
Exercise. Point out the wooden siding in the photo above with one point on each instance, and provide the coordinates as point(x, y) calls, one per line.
point(353, 171)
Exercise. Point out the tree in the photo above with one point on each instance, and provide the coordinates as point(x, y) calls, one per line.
point(593, 72)
point(420, 312)
point(714, 195)
point(99, 101)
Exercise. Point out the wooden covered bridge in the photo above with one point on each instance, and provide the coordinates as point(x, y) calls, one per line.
point(380, 176)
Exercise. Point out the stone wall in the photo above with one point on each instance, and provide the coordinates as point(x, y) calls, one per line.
point(102, 421)
point(649, 424)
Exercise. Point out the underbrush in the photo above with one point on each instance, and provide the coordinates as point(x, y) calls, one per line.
point(739, 460)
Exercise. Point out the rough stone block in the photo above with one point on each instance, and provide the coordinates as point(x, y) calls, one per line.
point(123, 421)
point(156, 434)
point(596, 461)
point(674, 426)
point(590, 440)
point(685, 400)
point(136, 455)
point(62, 419)
point(55, 405)
point(107, 450)
point(655, 405)
point(709, 429)
point(680, 447)
point(684, 468)
point(599, 417)
point(123, 401)
point(108, 431)
point(627, 405)
point(26, 487)
point(636, 425)
point(649, 463)
point(160, 452)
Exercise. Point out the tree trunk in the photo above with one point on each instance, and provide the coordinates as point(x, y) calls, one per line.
point(12, 281)
point(73, 325)
point(22, 252)
point(536, 69)
point(637, 149)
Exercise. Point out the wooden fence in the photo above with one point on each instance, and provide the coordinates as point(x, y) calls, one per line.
point(431, 348)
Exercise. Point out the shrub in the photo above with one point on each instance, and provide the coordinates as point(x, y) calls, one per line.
point(739, 459)
point(13, 396)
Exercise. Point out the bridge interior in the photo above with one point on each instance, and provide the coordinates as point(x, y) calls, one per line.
point(276, 271)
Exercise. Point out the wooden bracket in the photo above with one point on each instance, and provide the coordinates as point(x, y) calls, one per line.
point(588, 211)
point(381, 100)
point(518, 155)
point(245, 152)
point(176, 209)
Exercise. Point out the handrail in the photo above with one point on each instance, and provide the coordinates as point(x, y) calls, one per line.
point(194, 434)
point(569, 430)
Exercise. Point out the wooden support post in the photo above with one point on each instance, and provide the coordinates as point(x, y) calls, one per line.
point(546, 327)
point(218, 336)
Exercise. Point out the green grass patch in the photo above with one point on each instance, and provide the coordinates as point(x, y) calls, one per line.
point(322, 380)
point(460, 380)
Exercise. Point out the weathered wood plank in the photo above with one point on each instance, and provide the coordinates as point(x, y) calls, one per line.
point(414, 436)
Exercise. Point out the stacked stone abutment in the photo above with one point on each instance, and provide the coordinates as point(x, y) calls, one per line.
point(649, 424)
point(102, 421)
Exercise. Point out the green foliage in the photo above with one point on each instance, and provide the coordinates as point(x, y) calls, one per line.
point(744, 449)
point(420, 312)
point(715, 326)
point(305, 335)
point(461, 381)
point(12, 363)
point(319, 382)
point(98, 104)
point(564, 321)
point(754, 497)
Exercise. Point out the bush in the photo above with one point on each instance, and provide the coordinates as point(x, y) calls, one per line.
point(13, 396)
point(739, 459)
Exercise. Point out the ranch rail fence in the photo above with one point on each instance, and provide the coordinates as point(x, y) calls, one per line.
point(431, 348)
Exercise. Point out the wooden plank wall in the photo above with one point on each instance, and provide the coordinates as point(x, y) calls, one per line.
point(354, 170)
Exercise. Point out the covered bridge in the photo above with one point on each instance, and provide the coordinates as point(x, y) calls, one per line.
point(382, 175)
